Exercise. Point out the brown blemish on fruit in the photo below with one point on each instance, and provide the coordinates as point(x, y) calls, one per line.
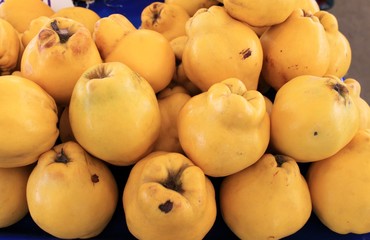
point(94, 178)
point(156, 11)
point(245, 53)
point(47, 38)
point(315, 133)
point(63, 34)
point(61, 157)
point(166, 207)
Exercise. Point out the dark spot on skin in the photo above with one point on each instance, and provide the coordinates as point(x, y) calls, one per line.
point(166, 207)
point(315, 133)
point(245, 53)
point(94, 178)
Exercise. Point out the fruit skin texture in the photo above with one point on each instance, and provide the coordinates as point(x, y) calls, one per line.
point(219, 47)
point(29, 119)
point(113, 89)
point(20, 13)
point(13, 202)
point(328, 121)
point(33, 29)
point(10, 48)
point(260, 13)
point(339, 187)
point(308, 5)
point(225, 129)
point(167, 197)
point(71, 194)
point(193, 6)
point(268, 200)
point(148, 53)
point(295, 47)
point(167, 19)
point(69, 56)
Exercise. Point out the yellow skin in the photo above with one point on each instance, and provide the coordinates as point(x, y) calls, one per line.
point(268, 200)
point(74, 198)
point(108, 31)
point(82, 15)
point(296, 47)
point(354, 88)
point(308, 5)
point(130, 132)
point(193, 6)
point(340, 189)
point(167, 19)
point(148, 53)
point(225, 129)
point(29, 115)
point(328, 121)
point(220, 47)
point(340, 49)
point(260, 13)
point(68, 59)
point(10, 48)
point(33, 29)
point(170, 101)
point(13, 202)
point(184, 209)
point(20, 13)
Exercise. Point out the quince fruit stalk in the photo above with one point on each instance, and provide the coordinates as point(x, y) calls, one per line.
point(166, 196)
point(28, 119)
point(295, 47)
point(312, 118)
point(114, 113)
point(70, 193)
point(224, 129)
point(167, 19)
point(268, 200)
point(220, 47)
point(10, 48)
point(339, 187)
point(64, 45)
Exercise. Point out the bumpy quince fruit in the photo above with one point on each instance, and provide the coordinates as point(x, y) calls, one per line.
point(219, 47)
point(33, 29)
point(268, 200)
point(167, 19)
point(192, 6)
point(113, 89)
point(70, 193)
point(308, 5)
point(339, 187)
point(312, 118)
point(28, 120)
point(224, 129)
point(167, 197)
point(67, 47)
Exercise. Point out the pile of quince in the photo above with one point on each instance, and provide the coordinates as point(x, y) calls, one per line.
point(247, 92)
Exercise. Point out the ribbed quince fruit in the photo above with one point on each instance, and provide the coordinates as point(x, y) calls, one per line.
point(70, 193)
point(113, 89)
point(308, 5)
point(295, 47)
point(65, 46)
point(13, 201)
point(339, 187)
point(20, 13)
point(312, 118)
point(33, 29)
point(224, 129)
point(167, 19)
point(167, 197)
point(219, 47)
point(268, 200)
point(10, 48)
point(259, 13)
point(28, 119)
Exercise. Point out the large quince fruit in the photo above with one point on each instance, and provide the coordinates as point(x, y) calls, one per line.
point(10, 48)
point(65, 46)
point(70, 193)
point(297, 46)
point(28, 119)
point(268, 200)
point(224, 129)
point(220, 47)
point(193, 6)
point(114, 113)
point(312, 118)
point(339, 187)
point(167, 197)
point(13, 201)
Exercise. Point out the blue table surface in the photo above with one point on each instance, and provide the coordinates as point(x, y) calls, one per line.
point(117, 229)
